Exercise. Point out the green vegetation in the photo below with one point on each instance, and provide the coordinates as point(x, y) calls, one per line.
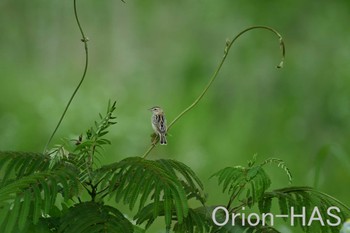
point(44, 192)
point(147, 54)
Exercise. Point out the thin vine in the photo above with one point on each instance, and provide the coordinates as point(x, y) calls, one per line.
point(227, 49)
point(84, 40)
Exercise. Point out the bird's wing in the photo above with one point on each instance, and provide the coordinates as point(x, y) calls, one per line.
point(161, 123)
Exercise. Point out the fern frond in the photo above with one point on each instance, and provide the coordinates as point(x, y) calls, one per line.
point(160, 182)
point(146, 214)
point(190, 181)
point(95, 134)
point(152, 181)
point(281, 164)
point(34, 195)
point(94, 217)
point(235, 180)
point(306, 200)
point(88, 146)
point(58, 154)
point(14, 165)
point(197, 221)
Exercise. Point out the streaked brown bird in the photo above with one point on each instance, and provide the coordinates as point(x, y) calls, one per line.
point(159, 124)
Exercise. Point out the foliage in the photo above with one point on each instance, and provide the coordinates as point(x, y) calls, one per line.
point(29, 189)
point(236, 180)
point(44, 192)
point(305, 199)
point(35, 185)
point(47, 192)
point(94, 217)
point(66, 189)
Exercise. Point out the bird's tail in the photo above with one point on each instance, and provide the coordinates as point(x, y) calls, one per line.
point(163, 139)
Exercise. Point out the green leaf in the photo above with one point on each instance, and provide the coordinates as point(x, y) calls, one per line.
point(91, 145)
point(94, 217)
point(165, 183)
point(308, 198)
point(253, 180)
point(14, 215)
point(37, 204)
point(31, 196)
point(280, 163)
point(25, 208)
point(196, 221)
point(20, 164)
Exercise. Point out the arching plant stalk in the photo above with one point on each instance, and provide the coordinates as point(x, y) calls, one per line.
point(227, 49)
point(84, 40)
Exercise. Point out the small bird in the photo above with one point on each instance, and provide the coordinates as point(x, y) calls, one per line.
point(159, 124)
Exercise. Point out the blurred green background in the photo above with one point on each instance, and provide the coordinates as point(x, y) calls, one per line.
point(146, 53)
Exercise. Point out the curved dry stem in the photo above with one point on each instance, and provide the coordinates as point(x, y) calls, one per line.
point(84, 40)
point(214, 76)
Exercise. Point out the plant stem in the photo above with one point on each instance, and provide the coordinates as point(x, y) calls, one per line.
point(84, 40)
point(233, 197)
point(227, 49)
